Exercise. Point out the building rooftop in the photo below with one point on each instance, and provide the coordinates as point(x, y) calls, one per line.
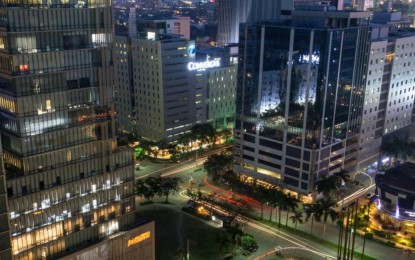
point(402, 177)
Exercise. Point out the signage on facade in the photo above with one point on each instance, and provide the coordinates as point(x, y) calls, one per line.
point(138, 239)
point(208, 64)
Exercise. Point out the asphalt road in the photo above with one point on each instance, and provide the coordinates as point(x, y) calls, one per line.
point(191, 170)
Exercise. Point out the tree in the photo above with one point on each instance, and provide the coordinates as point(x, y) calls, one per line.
point(235, 232)
point(209, 200)
point(234, 211)
point(226, 133)
point(313, 212)
point(205, 133)
point(327, 185)
point(262, 195)
point(216, 164)
point(397, 149)
point(325, 210)
point(186, 140)
point(290, 204)
point(342, 175)
point(168, 185)
point(224, 242)
point(142, 189)
point(174, 151)
point(297, 218)
point(149, 147)
point(154, 184)
point(278, 200)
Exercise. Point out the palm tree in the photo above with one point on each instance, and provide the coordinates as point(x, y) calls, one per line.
point(327, 185)
point(262, 195)
point(297, 218)
point(290, 204)
point(342, 176)
point(312, 212)
point(278, 199)
point(325, 208)
point(397, 149)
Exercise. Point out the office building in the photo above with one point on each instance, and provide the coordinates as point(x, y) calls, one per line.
point(164, 99)
point(216, 88)
point(234, 12)
point(68, 184)
point(299, 97)
point(389, 95)
point(164, 87)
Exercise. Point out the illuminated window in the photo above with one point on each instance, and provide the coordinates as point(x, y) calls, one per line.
point(45, 203)
point(86, 208)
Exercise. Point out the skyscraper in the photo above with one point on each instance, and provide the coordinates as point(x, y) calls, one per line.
point(299, 97)
point(68, 184)
point(389, 98)
point(234, 12)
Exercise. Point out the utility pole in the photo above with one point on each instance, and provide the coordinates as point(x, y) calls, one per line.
point(188, 248)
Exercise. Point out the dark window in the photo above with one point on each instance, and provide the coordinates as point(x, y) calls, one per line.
point(293, 152)
point(272, 155)
point(249, 138)
point(82, 175)
point(247, 148)
point(304, 176)
point(292, 172)
point(304, 186)
point(306, 156)
point(273, 145)
point(24, 190)
point(273, 165)
point(291, 182)
point(306, 166)
point(41, 185)
point(10, 191)
point(248, 157)
point(58, 180)
point(292, 162)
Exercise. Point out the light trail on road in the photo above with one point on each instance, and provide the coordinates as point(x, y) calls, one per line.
point(173, 169)
point(358, 193)
point(296, 248)
point(278, 233)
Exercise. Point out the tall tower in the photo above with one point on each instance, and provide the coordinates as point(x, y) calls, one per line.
point(68, 184)
point(299, 97)
point(234, 12)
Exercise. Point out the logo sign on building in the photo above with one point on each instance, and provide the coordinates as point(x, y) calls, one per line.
point(191, 49)
point(138, 239)
point(203, 65)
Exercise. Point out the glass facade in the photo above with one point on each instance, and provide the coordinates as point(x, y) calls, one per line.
point(298, 97)
point(68, 184)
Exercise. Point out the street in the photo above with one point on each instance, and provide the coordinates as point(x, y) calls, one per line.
point(267, 237)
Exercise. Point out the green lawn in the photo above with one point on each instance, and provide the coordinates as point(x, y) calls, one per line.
point(174, 227)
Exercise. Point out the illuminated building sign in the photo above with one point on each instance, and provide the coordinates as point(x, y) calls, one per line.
point(314, 58)
point(208, 64)
point(139, 238)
